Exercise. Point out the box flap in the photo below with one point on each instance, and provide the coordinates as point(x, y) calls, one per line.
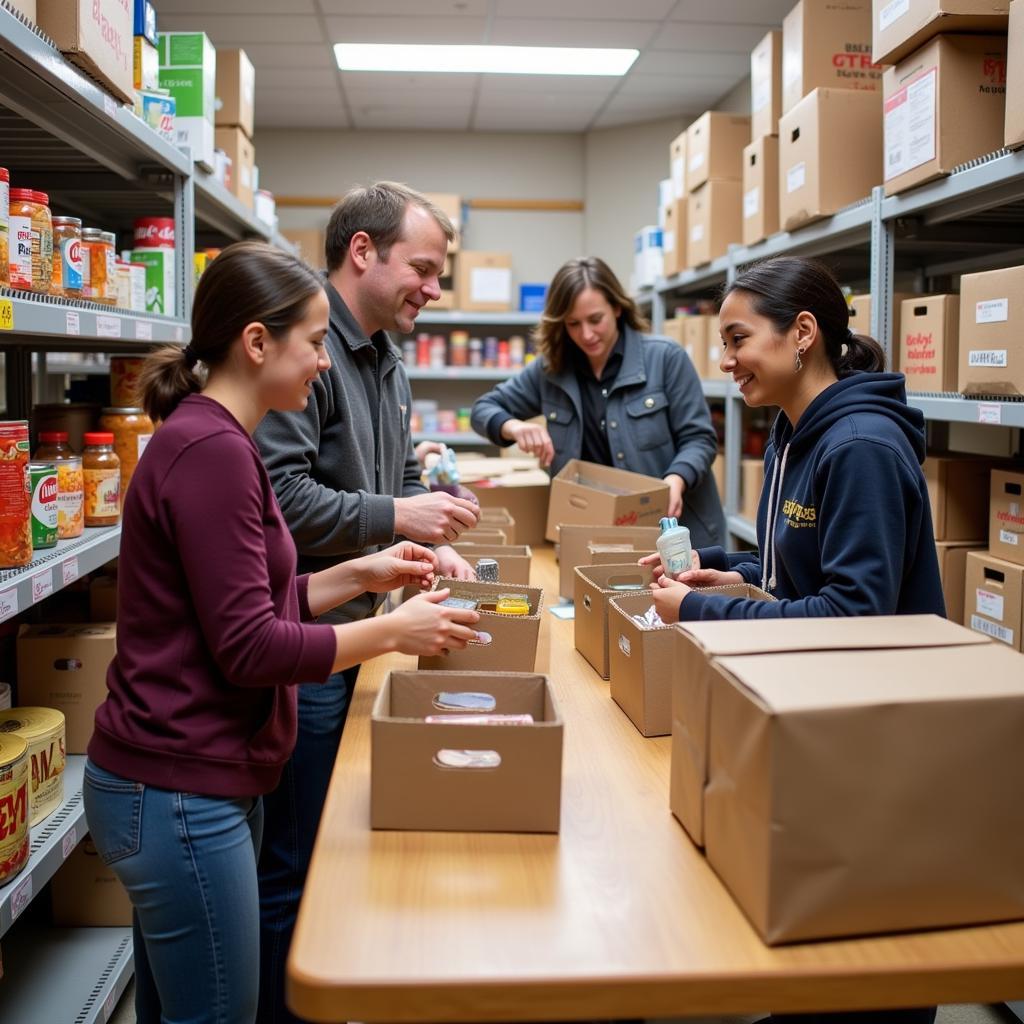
point(610, 578)
point(607, 479)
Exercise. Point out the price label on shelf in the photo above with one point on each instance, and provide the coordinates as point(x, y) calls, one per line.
point(69, 842)
point(108, 326)
point(109, 106)
point(70, 570)
point(109, 1005)
point(143, 330)
point(72, 322)
point(8, 604)
point(6, 315)
point(21, 898)
point(42, 586)
point(990, 412)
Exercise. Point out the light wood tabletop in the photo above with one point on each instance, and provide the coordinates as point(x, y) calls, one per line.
point(617, 916)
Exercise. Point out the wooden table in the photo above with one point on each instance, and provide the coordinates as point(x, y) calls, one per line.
point(618, 916)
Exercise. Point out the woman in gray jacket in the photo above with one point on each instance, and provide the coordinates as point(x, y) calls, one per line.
point(610, 394)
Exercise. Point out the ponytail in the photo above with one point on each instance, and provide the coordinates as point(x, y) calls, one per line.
point(860, 354)
point(165, 379)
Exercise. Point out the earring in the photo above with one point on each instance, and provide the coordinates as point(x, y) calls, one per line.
point(799, 362)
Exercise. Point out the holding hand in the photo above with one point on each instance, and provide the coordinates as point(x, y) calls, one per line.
point(423, 627)
point(654, 561)
point(398, 566)
point(676, 489)
point(668, 595)
point(434, 518)
point(532, 438)
point(451, 564)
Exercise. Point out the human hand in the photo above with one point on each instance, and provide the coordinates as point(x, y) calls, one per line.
point(668, 594)
point(401, 565)
point(532, 438)
point(676, 489)
point(451, 564)
point(434, 518)
point(654, 561)
point(422, 626)
point(425, 448)
point(697, 577)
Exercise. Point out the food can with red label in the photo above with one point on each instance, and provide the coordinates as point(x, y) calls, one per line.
point(13, 806)
point(43, 478)
point(43, 730)
point(15, 495)
point(154, 233)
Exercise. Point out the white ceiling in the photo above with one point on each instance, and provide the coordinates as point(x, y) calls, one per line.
point(692, 52)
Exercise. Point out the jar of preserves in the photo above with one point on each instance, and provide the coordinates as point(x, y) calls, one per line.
point(15, 496)
point(132, 429)
point(31, 240)
point(5, 225)
point(54, 447)
point(67, 257)
point(101, 471)
point(94, 265)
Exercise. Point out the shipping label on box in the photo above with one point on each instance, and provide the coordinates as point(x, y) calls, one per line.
point(484, 281)
point(594, 586)
point(994, 597)
point(928, 350)
point(1006, 516)
point(900, 27)
point(991, 357)
point(766, 86)
point(575, 542)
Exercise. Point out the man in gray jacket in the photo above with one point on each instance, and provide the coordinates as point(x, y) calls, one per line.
point(348, 481)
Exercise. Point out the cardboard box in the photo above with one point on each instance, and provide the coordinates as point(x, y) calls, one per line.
point(86, 893)
point(718, 472)
point(820, 169)
point(236, 144)
point(448, 299)
point(65, 667)
point(451, 205)
point(484, 281)
point(714, 216)
point(945, 104)
point(1013, 126)
point(410, 790)
point(514, 484)
point(766, 86)
point(695, 335)
point(899, 27)
point(677, 165)
point(958, 492)
point(235, 102)
point(674, 238)
point(483, 535)
point(993, 596)
point(992, 333)
point(513, 560)
point(586, 493)
point(928, 349)
point(311, 245)
point(28, 9)
point(509, 643)
point(96, 35)
point(952, 557)
point(714, 147)
point(575, 544)
point(103, 599)
point(145, 64)
point(760, 189)
point(860, 320)
point(188, 69)
point(498, 519)
point(594, 586)
point(751, 485)
point(1006, 516)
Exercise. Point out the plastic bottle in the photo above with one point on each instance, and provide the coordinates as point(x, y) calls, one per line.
point(674, 546)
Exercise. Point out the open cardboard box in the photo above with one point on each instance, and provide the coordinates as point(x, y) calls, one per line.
point(517, 485)
point(513, 559)
point(574, 543)
point(595, 585)
point(409, 789)
point(484, 535)
point(498, 519)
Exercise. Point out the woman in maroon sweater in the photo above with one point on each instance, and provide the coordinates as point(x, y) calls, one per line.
point(213, 634)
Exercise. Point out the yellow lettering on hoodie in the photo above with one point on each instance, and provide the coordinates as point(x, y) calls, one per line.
point(799, 516)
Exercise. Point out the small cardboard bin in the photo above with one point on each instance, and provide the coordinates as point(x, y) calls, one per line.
point(595, 586)
point(575, 543)
point(513, 559)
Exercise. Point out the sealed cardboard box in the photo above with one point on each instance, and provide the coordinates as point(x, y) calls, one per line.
point(448, 299)
point(236, 144)
point(236, 91)
point(65, 667)
point(587, 493)
point(766, 86)
point(760, 189)
point(945, 104)
point(714, 147)
point(714, 218)
point(677, 166)
point(860, 320)
point(96, 35)
point(751, 485)
point(952, 557)
point(695, 341)
point(513, 559)
point(484, 281)
point(418, 775)
point(145, 64)
point(673, 238)
point(595, 585)
point(188, 69)
point(827, 44)
point(899, 27)
point(928, 351)
point(830, 154)
point(1013, 126)
point(958, 491)
point(992, 333)
point(993, 593)
point(506, 643)
point(1006, 516)
point(86, 893)
point(451, 205)
point(576, 542)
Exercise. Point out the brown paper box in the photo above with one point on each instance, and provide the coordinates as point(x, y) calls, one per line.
point(945, 104)
point(714, 144)
point(484, 281)
point(409, 790)
point(524, 492)
point(498, 519)
point(898, 29)
point(992, 599)
point(513, 638)
point(236, 91)
point(513, 560)
point(860, 319)
point(751, 485)
point(236, 144)
point(595, 585)
point(65, 667)
point(929, 350)
point(992, 333)
point(760, 189)
point(695, 335)
point(575, 542)
point(615, 554)
point(86, 893)
point(311, 245)
point(821, 168)
point(1013, 127)
point(483, 535)
point(673, 238)
point(677, 165)
point(958, 492)
point(714, 219)
point(28, 8)
point(766, 86)
point(451, 205)
point(952, 557)
point(1006, 516)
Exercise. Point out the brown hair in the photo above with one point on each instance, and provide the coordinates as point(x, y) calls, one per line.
point(379, 211)
point(249, 282)
point(572, 278)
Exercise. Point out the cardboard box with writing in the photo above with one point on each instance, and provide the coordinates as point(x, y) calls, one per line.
point(714, 144)
point(827, 44)
point(235, 104)
point(236, 144)
point(575, 543)
point(766, 86)
point(751, 485)
point(714, 217)
point(992, 599)
point(595, 585)
point(945, 104)
point(515, 484)
point(1013, 126)
point(65, 667)
point(411, 786)
point(958, 492)
point(86, 893)
point(673, 238)
point(1006, 516)
point(484, 281)
point(992, 333)
point(928, 350)
point(760, 189)
point(830, 154)
point(860, 320)
point(513, 559)
point(587, 493)
point(451, 205)
point(899, 27)
point(677, 165)
point(952, 557)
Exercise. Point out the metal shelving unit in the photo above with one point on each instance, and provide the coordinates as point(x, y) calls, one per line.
point(457, 373)
point(742, 528)
point(467, 318)
point(452, 439)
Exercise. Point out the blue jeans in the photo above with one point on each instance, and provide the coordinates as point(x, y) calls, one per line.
point(292, 818)
point(188, 863)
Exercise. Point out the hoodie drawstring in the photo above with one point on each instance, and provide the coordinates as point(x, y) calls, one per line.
point(774, 504)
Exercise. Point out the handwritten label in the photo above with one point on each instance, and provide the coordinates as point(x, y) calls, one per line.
point(6, 315)
point(21, 898)
point(108, 326)
point(990, 412)
point(72, 322)
point(70, 570)
point(143, 330)
point(8, 604)
point(992, 311)
point(69, 842)
point(1006, 537)
point(892, 12)
point(42, 586)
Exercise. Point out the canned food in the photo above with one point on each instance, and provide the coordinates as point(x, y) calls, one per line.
point(43, 479)
point(13, 806)
point(15, 495)
point(67, 257)
point(54, 447)
point(43, 730)
point(154, 233)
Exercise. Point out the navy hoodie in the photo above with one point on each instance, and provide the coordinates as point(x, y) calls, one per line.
point(844, 525)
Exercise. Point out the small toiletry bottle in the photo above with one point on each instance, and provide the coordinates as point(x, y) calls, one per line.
point(674, 546)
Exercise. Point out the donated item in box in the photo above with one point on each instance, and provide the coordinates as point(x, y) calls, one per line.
point(65, 667)
point(588, 493)
point(822, 844)
point(958, 492)
point(594, 586)
point(945, 104)
point(514, 484)
point(451, 205)
point(992, 333)
point(1013, 126)
point(994, 597)
point(513, 559)
point(714, 216)
point(766, 86)
point(103, 599)
point(159, 264)
point(145, 64)
point(423, 777)
point(673, 238)
point(484, 281)
point(157, 109)
point(928, 349)
point(242, 153)
point(860, 320)
point(498, 519)
point(188, 69)
point(310, 242)
point(899, 27)
point(760, 189)
point(952, 557)
point(94, 34)
point(576, 542)
point(234, 105)
point(677, 166)
point(714, 147)
point(751, 485)
point(830, 154)
point(1006, 516)
point(507, 643)
point(86, 893)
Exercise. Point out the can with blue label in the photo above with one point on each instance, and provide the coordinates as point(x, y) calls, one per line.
point(67, 257)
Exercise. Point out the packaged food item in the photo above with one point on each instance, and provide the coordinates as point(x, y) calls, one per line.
point(138, 285)
point(67, 257)
point(159, 279)
point(101, 470)
point(14, 801)
point(131, 429)
point(94, 265)
point(109, 243)
point(54, 447)
point(15, 495)
point(154, 233)
point(31, 240)
point(487, 570)
point(42, 729)
point(43, 481)
point(5, 225)
point(123, 284)
point(124, 379)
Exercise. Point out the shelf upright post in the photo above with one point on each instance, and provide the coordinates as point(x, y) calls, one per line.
point(657, 308)
point(185, 236)
point(883, 234)
point(733, 422)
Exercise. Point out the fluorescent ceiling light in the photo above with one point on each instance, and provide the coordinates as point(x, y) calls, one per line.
point(495, 60)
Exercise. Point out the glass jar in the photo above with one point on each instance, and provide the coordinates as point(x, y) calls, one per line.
point(15, 495)
point(131, 429)
point(101, 471)
point(94, 265)
point(5, 225)
point(124, 379)
point(31, 240)
point(67, 257)
point(54, 447)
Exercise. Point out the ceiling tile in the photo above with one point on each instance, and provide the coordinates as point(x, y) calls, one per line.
point(735, 12)
point(233, 7)
point(674, 85)
point(537, 87)
point(399, 81)
point(441, 99)
point(644, 10)
point(404, 120)
point(416, 8)
point(230, 30)
point(289, 55)
point(299, 115)
point(566, 32)
point(675, 62)
point(692, 35)
point(531, 104)
point(406, 30)
point(527, 121)
point(296, 78)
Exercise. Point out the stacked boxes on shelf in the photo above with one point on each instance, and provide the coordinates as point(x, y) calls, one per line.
point(761, 155)
point(235, 108)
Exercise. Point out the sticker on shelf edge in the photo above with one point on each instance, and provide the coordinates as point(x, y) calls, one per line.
point(6, 315)
point(8, 604)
